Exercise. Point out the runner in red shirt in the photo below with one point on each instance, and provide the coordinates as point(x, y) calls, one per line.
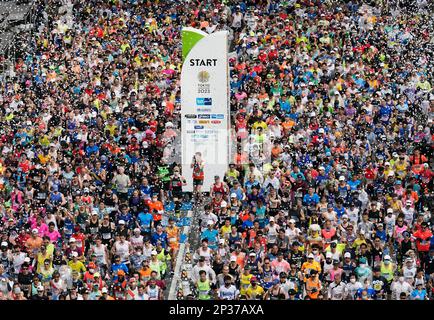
point(156, 208)
point(423, 237)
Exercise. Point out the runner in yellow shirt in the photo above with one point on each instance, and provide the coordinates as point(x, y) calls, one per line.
point(42, 256)
point(310, 264)
point(225, 230)
point(254, 291)
point(260, 124)
point(77, 265)
point(245, 280)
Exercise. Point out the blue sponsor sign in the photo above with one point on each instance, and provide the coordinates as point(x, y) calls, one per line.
point(198, 127)
point(204, 101)
point(217, 116)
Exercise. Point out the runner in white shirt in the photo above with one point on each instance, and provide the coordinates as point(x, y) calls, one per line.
point(141, 294)
point(353, 214)
point(272, 230)
point(228, 291)
point(122, 248)
point(408, 212)
point(389, 221)
point(100, 251)
point(292, 232)
point(147, 249)
point(203, 266)
point(337, 289)
point(409, 271)
point(136, 239)
point(237, 18)
point(328, 265)
point(397, 287)
point(205, 252)
point(352, 287)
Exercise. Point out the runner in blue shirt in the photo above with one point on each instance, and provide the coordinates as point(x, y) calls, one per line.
point(145, 222)
point(310, 198)
point(211, 235)
point(419, 293)
point(353, 183)
point(159, 236)
point(118, 265)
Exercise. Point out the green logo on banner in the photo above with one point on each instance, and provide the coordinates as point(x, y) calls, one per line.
point(189, 40)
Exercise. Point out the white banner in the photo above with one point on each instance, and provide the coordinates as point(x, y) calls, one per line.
point(204, 104)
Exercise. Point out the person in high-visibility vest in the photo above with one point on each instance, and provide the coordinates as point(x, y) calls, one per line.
point(155, 264)
point(163, 256)
point(387, 268)
point(203, 286)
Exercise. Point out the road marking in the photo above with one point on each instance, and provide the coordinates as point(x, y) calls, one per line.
point(179, 261)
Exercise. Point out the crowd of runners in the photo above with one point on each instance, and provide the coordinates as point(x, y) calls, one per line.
point(90, 193)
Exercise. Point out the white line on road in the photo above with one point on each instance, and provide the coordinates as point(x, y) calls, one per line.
point(179, 260)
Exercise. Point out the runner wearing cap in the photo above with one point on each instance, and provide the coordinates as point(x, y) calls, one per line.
point(34, 242)
point(271, 230)
point(118, 266)
point(254, 291)
point(74, 248)
point(387, 268)
point(105, 295)
point(419, 292)
point(40, 295)
point(310, 265)
point(202, 266)
point(156, 264)
point(75, 264)
point(380, 284)
point(156, 208)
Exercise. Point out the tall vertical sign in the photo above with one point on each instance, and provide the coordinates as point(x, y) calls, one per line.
point(204, 104)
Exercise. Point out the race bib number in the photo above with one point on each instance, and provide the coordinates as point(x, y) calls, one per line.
point(377, 286)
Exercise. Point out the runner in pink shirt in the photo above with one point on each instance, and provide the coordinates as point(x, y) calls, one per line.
point(280, 265)
point(40, 225)
point(52, 233)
